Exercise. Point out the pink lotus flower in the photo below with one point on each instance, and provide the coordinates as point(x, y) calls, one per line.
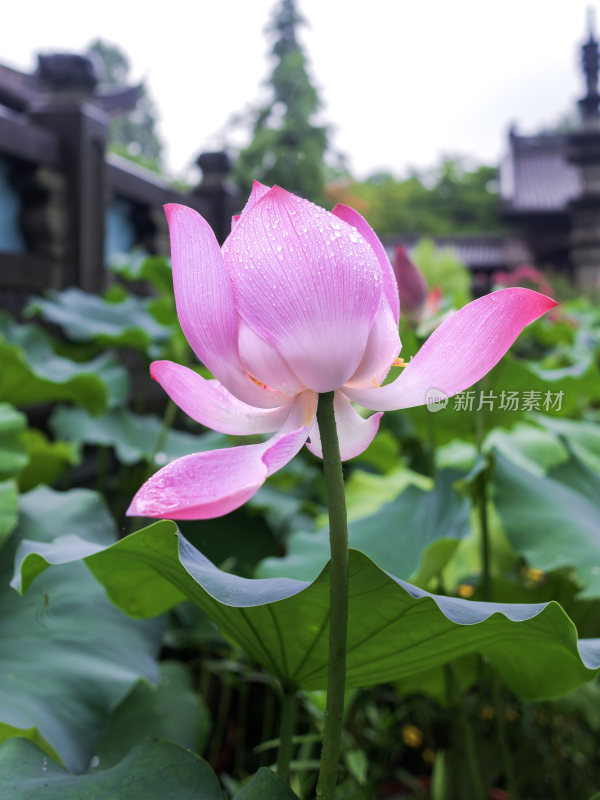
point(300, 301)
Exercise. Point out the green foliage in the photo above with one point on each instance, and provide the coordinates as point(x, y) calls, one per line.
point(48, 460)
point(452, 198)
point(9, 498)
point(135, 437)
point(441, 267)
point(552, 519)
point(31, 372)
point(287, 147)
point(86, 317)
point(13, 454)
point(169, 710)
point(265, 785)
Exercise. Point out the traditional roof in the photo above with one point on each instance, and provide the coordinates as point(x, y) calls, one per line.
point(21, 91)
point(535, 175)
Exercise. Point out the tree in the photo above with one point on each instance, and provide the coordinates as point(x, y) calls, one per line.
point(287, 147)
point(132, 135)
point(452, 198)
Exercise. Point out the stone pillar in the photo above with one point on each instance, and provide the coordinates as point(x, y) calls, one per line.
point(215, 197)
point(70, 81)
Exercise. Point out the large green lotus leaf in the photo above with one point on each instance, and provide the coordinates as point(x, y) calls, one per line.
point(553, 520)
point(170, 710)
point(395, 629)
point(85, 317)
point(67, 655)
point(135, 437)
point(367, 492)
point(46, 514)
point(13, 455)
point(156, 770)
point(31, 372)
point(583, 437)
point(395, 537)
point(530, 446)
point(265, 785)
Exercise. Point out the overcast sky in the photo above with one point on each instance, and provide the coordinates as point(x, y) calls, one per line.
point(401, 80)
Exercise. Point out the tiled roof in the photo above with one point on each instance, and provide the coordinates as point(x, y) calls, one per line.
point(487, 252)
point(535, 175)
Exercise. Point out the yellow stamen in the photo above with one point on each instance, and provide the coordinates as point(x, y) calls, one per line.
point(259, 383)
point(397, 362)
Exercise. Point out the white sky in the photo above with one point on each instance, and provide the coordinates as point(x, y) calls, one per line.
point(401, 80)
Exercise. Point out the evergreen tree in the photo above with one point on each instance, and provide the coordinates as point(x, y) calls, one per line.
point(132, 135)
point(287, 148)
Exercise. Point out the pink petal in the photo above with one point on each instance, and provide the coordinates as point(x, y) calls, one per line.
point(390, 288)
point(210, 404)
point(355, 433)
point(311, 288)
point(259, 190)
point(461, 350)
point(383, 346)
point(264, 363)
point(206, 485)
point(205, 304)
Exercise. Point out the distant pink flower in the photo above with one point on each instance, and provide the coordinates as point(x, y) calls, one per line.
point(525, 273)
point(418, 303)
point(412, 286)
point(300, 301)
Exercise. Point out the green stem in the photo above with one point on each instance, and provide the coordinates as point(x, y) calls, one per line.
point(503, 739)
point(338, 598)
point(268, 717)
point(459, 711)
point(485, 535)
point(431, 441)
point(484, 529)
point(472, 762)
point(286, 732)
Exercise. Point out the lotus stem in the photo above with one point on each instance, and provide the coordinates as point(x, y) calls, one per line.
point(511, 777)
point(482, 497)
point(286, 732)
point(338, 613)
